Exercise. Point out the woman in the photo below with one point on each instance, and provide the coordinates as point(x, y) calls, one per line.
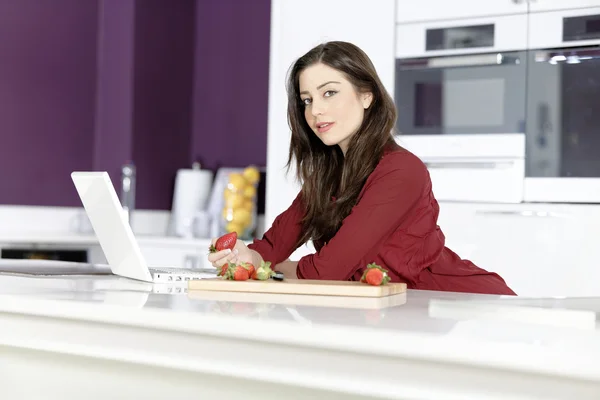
point(364, 199)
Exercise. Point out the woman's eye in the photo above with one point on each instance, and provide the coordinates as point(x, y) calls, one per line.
point(329, 93)
point(306, 101)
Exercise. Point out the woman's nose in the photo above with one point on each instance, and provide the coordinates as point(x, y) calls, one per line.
point(317, 108)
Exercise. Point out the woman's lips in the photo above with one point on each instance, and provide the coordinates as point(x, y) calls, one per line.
point(323, 127)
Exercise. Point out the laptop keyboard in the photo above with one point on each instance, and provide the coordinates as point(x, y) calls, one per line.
point(183, 271)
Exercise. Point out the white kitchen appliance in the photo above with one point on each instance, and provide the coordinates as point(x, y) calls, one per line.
point(504, 109)
point(563, 107)
point(460, 96)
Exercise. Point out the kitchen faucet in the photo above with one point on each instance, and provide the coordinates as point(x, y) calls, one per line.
point(128, 189)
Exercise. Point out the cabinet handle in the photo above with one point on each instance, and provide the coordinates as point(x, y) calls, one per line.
point(523, 213)
point(459, 61)
point(518, 1)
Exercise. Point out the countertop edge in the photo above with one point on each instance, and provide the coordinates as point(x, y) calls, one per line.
point(531, 359)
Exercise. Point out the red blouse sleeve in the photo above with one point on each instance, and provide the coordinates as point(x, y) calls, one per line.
point(279, 242)
point(397, 185)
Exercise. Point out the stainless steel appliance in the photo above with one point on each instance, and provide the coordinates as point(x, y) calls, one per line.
point(504, 109)
point(563, 107)
point(461, 99)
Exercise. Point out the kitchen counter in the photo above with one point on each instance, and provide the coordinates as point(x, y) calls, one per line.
point(110, 337)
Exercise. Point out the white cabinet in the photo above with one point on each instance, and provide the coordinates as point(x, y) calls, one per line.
point(429, 10)
point(175, 252)
point(166, 252)
point(539, 249)
point(510, 33)
point(171, 256)
point(296, 27)
point(546, 28)
point(550, 5)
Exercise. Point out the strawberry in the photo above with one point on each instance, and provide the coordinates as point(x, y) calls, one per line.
point(250, 268)
point(240, 274)
point(223, 270)
point(263, 272)
point(375, 275)
point(237, 273)
point(226, 241)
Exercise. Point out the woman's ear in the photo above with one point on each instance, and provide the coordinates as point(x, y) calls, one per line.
point(367, 99)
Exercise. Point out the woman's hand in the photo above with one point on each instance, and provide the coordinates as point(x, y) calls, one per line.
point(240, 253)
point(288, 268)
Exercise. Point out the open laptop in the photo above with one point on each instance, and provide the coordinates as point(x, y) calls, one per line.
point(115, 235)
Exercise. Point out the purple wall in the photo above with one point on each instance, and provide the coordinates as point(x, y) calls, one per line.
point(231, 82)
point(47, 86)
point(162, 119)
point(160, 82)
point(113, 135)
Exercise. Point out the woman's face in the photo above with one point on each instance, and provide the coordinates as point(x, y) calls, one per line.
point(333, 108)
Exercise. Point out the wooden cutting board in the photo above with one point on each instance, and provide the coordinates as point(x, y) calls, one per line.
point(300, 286)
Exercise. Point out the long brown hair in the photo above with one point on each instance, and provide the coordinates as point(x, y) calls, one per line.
point(324, 171)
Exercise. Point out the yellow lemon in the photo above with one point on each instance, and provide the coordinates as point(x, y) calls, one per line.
point(248, 205)
point(249, 192)
point(235, 201)
point(233, 227)
point(236, 181)
point(252, 174)
point(242, 217)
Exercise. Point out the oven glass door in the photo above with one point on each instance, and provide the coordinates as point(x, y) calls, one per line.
point(457, 95)
point(563, 125)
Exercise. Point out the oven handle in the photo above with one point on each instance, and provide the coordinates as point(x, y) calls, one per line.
point(570, 56)
point(469, 164)
point(517, 213)
point(460, 61)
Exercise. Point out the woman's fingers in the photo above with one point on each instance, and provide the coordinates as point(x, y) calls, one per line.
point(213, 257)
point(231, 256)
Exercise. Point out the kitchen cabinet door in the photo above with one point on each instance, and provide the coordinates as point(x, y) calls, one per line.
point(430, 10)
point(551, 5)
point(540, 250)
point(178, 256)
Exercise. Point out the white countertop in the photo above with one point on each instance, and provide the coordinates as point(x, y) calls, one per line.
point(554, 341)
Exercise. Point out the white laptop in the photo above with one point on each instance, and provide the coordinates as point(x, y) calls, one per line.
point(115, 235)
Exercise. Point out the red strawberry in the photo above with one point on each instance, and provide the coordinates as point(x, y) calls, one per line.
point(250, 268)
point(237, 273)
point(375, 275)
point(226, 241)
point(223, 270)
point(240, 274)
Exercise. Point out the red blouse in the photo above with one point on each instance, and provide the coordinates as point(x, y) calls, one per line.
point(393, 224)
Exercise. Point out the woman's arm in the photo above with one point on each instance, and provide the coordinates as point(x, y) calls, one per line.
point(279, 242)
point(288, 268)
point(387, 200)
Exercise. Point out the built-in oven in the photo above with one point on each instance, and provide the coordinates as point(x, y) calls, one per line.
point(563, 107)
point(460, 92)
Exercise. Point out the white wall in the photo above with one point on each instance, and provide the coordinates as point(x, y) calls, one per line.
point(296, 27)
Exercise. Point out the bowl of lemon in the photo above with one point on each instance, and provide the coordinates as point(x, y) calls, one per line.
point(239, 202)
